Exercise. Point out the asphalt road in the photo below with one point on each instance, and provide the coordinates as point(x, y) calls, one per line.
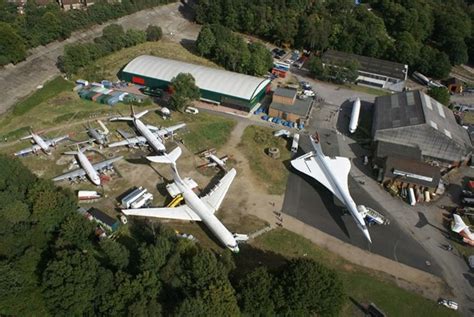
point(312, 203)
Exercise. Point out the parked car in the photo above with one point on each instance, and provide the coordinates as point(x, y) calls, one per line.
point(467, 193)
point(191, 110)
point(470, 261)
point(448, 303)
point(309, 93)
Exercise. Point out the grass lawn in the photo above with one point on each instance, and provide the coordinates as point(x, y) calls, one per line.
point(273, 173)
point(108, 66)
point(50, 89)
point(361, 285)
point(203, 131)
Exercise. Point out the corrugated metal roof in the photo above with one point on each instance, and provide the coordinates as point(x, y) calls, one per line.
point(368, 64)
point(207, 78)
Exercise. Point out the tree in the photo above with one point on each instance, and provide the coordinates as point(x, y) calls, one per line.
point(68, 283)
point(206, 41)
point(12, 46)
point(255, 293)
point(75, 231)
point(114, 34)
point(441, 94)
point(116, 255)
point(184, 91)
point(261, 60)
point(316, 68)
point(134, 37)
point(306, 288)
point(153, 33)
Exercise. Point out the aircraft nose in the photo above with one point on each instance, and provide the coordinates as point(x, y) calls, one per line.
point(367, 235)
point(96, 181)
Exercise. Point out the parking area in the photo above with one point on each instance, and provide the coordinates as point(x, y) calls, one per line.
point(312, 203)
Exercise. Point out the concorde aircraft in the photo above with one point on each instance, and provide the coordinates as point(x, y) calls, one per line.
point(150, 135)
point(195, 209)
point(41, 144)
point(86, 167)
point(333, 174)
point(462, 229)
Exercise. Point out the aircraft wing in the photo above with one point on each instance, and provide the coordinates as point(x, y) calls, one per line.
point(182, 212)
point(217, 194)
point(106, 163)
point(339, 166)
point(162, 132)
point(28, 150)
point(56, 140)
point(130, 141)
point(72, 174)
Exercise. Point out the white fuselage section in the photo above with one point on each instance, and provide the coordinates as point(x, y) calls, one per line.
point(151, 138)
point(39, 140)
point(340, 192)
point(205, 213)
point(88, 168)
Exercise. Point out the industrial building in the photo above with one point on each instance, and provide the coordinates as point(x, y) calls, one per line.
point(372, 71)
point(287, 106)
point(414, 119)
point(234, 90)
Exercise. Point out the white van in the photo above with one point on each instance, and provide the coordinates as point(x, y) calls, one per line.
point(191, 110)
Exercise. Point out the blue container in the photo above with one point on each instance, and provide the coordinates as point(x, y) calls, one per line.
point(265, 117)
point(301, 126)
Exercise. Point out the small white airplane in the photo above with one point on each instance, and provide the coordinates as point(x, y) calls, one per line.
point(333, 174)
point(86, 167)
point(195, 208)
point(213, 159)
point(41, 144)
point(149, 134)
point(462, 229)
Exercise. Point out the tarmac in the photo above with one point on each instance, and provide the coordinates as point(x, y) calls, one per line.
point(311, 203)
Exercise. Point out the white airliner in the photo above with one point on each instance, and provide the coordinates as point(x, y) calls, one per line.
point(195, 209)
point(41, 144)
point(148, 134)
point(333, 174)
point(87, 168)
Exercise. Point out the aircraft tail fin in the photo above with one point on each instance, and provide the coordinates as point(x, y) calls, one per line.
point(167, 158)
point(140, 114)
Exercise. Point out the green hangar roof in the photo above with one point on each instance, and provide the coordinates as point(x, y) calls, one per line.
point(207, 78)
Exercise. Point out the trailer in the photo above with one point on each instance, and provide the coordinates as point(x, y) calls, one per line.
point(294, 144)
point(88, 195)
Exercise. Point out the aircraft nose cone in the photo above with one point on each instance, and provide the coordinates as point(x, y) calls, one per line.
point(367, 235)
point(96, 181)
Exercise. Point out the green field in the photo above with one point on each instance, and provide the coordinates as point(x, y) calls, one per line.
point(49, 90)
point(107, 67)
point(362, 286)
point(271, 172)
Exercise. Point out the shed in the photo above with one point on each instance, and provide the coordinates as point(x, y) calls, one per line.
point(102, 218)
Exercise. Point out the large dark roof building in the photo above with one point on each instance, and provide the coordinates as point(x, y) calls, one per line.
point(413, 118)
point(372, 71)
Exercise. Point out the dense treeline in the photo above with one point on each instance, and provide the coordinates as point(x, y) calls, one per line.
point(51, 264)
point(42, 25)
point(230, 50)
point(113, 38)
point(428, 35)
